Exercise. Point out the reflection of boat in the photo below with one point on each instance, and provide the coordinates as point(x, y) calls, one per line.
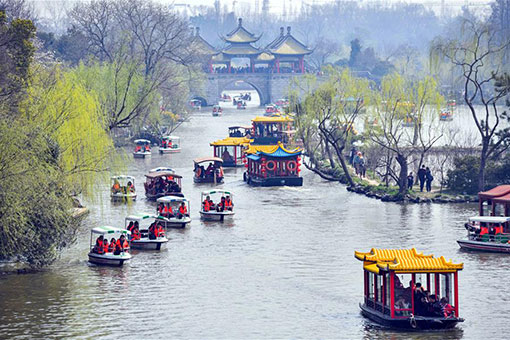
point(142, 149)
point(123, 188)
point(393, 296)
point(162, 183)
point(108, 258)
point(145, 242)
point(170, 144)
point(217, 111)
point(176, 219)
point(213, 173)
point(214, 213)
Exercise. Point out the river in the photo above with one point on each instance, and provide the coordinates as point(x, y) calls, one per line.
point(283, 268)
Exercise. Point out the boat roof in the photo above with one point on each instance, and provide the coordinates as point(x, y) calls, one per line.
point(120, 177)
point(168, 199)
point(162, 168)
point(211, 192)
point(246, 127)
point(171, 137)
point(216, 105)
point(162, 174)
point(405, 261)
point(109, 230)
point(142, 141)
point(278, 150)
point(276, 119)
point(505, 199)
point(490, 219)
point(208, 159)
point(139, 216)
point(498, 191)
point(231, 141)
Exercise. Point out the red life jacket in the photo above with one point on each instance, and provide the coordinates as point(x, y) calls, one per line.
point(161, 232)
point(118, 246)
point(125, 245)
point(484, 230)
point(106, 246)
point(207, 205)
point(228, 203)
point(111, 247)
point(183, 210)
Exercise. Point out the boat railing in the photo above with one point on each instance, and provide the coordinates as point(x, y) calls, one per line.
point(497, 238)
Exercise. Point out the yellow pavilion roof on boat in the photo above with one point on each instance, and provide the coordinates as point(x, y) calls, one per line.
point(231, 141)
point(405, 261)
point(276, 119)
point(269, 149)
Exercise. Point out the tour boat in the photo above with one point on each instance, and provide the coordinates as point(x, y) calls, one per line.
point(195, 104)
point(212, 174)
point(213, 214)
point(239, 131)
point(142, 149)
point(271, 130)
point(225, 98)
point(176, 220)
point(123, 188)
point(446, 115)
point(394, 280)
point(272, 111)
point(217, 111)
point(490, 231)
point(108, 259)
point(170, 144)
point(162, 169)
point(272, 165)
point(230, 150)
point(283, 103)
point(162, 183)
point(145, 242)
point(241, 105)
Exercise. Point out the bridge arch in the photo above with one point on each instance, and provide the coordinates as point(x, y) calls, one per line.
point(223, 86)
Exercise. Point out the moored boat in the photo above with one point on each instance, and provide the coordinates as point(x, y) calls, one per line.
point(123, 188)
point(144, 239)
point(406, 289)
point(162, 183)
point(210, 211)
point(142, 148)
point(446, 115)
point(241, 105)
point(212, 174)
point(173, 211)
point(170, 144)
point(110, 258)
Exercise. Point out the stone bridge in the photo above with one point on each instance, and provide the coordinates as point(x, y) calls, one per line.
point(270, 86)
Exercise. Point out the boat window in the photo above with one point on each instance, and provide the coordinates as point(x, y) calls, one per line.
point(403, 294)
point(378, 286)
point(434, 283)
point(387, 298)
point(446, 285)
point(371, 289)
point(421, 278)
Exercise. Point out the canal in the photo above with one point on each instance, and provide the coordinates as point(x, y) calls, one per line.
point(283, 268)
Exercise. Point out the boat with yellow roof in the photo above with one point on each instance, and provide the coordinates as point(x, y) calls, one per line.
point(230, 149)
point(407, 289)
point(271, 130)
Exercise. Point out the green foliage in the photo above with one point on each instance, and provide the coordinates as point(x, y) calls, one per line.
point(463, 177)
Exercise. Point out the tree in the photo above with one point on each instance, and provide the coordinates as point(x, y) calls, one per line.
point(478, 54)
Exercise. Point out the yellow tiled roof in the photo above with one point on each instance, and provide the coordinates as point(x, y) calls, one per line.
point(265, 57)
point(253, 149)
point(289, 46)
point(276, 119)
point(405, 261)
point(231, 141)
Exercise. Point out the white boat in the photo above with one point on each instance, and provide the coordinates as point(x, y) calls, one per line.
point(162, 169)
point(213, 214)
point(217, 111)
point(109, 258)
point(123, 188)
point(142, 149)
point(144, 220)
point(175, 220)
point(170, 144)
point(487, 233)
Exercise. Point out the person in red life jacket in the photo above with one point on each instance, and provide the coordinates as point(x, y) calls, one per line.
point(138, 148)
point(160, 231)
point(207, 204)
point(221, 206)
point(130, 226)
point(447, 308)
point(183, 210)
point(98, 248)
point(106, 246)
point(124, 242)
point(163, 144)
point(135, 234)
point(153, 231)
point(111, 246)
point(147, 147)
point(228, 203)
point(130, 187)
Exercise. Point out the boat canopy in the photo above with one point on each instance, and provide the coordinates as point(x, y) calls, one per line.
point(169, 199)
point(495, 192)
point(170, 138)
point(139, 217)
point(211, 192)
point(272, 120)
point(142, 141)
point(405, 261)
point(162, 174)
point(216, 107)
point(123, 178)
point(272, 150)
point(239, 127)
point(109, 230)
point(231, 141)
point(505, 199)
point(208, 159)
point(490, 219)
point(162, 169)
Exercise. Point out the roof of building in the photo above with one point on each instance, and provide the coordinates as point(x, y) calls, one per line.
point(275, 119)
point(404, 261)
point(241, 35)
point(278, 150)
point(288, 45)
point(200, 44)
point(244, 49)
point(231, 141)
point(265, 56)
point(498, 191)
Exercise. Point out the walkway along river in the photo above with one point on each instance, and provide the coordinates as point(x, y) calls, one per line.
point(283, 268)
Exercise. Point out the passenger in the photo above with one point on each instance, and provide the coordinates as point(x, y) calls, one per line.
point(130, 226)
point(118, 247)
point(155, 231)
point(130, 187)
point(183, 210)
point(147, 147)
point(116, 187)
point(401, 303)
point(106, 246)
point(449, 311)
point(209, 171)
point(226, 155)
point(420, 302)
point(228, 203)
point(160, 230)
point(124, 243)
point(202, 171)
point(111, 247)
point(138, 148)
point(163, 143)
point(98, 248)
point(206, 204)
point(434, 307)
point(135, 234)
point(221, 206)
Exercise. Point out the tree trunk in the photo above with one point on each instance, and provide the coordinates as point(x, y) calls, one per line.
point(330, 157)
point(402, 178)
point(344, 167)
point(483, 162)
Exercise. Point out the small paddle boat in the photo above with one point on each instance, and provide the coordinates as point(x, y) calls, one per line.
point(212, 174)
point(271, 110)
point(143, 239)
point(98, 256)
point(173, 211)
point(224, 208)
point(123, 188)
point(225, 98)
point(446, 115)
point(142, 148)
point(195, 104)
point(162, 183)
point(217, 111)
point(170, 144)
point(487, 233)
point(241, 105)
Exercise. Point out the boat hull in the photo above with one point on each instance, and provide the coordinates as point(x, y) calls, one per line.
point(169, 150)
point(147, 244)
point(490, 246)
point(141, 154)
point(175, 222)
point(275, 181)
point(216, 215)
point(123, 197)
point(419, 323)
point(109, 259)
point(156, 196)
point(207, 180)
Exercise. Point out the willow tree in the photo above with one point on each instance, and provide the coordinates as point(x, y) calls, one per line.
point(328, 114)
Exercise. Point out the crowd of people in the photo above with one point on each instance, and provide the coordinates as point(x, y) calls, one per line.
point(162, 185)
point(146, 148)
point(425, 303)
point(167, 211)
point(225, 204)
point(202, 172)
point(116, 247)
point(425, 179)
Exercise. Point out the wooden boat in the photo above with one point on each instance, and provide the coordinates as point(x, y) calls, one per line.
point(144, 220)
point(176, 220)
point(162, 183)
point(395, 281)
point(240, 131)
point(170, 144)
point(487, 233)
point(142, 149)
point(123, 188)
point(273, 165)
point(213, 173)
point(108, 259)
point(217, 111)
point(216, 213)
point(230, 150)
